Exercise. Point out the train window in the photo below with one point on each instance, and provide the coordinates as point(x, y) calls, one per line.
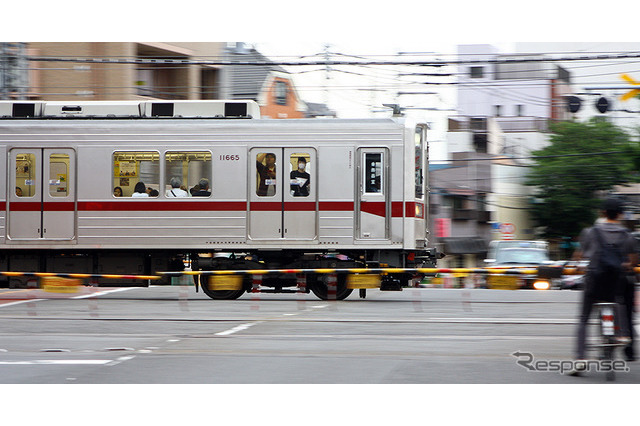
point(25, 175)
point(186, 172)
point(136, 173)
point(373, 173)
point(59, 175)
point(419, 144)
point(300, 175)
point(266, 174)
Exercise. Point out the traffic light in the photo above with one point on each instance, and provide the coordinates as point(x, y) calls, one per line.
point(574, 104)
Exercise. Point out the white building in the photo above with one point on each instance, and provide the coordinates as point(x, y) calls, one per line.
point(505, 103)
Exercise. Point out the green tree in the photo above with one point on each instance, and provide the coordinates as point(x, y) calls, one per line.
point(583, 160)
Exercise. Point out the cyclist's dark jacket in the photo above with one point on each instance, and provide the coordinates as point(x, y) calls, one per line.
point(612, 233)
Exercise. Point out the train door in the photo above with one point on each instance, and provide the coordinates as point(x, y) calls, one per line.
point(41, 200)
point(283, 195)
point(373, 202)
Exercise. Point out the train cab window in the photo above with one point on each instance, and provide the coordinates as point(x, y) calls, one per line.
point(59, 175)
point(300, 175)
point(25, 175)
point(186, 172)
point(373, 173)
point(136, 173)
point(266, 174)
point(420, 136)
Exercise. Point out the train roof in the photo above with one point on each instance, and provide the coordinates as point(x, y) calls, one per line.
point(246, 109)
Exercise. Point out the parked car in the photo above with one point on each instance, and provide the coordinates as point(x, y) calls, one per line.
point(519, 257)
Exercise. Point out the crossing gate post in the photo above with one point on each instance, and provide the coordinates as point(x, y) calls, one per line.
point(302, 289)
point(255, 290)
point(332, 286)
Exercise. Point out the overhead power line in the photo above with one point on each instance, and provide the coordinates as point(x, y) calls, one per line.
point(430, 63)
point(503, 158)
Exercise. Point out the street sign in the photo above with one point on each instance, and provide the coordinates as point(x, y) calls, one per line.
point(507, 229)
point(633, 93)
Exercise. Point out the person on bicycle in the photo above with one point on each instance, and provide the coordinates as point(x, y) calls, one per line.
point(614, 237)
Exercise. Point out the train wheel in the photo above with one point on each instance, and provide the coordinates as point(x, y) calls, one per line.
point(226, 294)
point(222, 294)
point(318, 285)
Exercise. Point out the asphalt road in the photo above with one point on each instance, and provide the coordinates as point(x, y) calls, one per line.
point(174, 335)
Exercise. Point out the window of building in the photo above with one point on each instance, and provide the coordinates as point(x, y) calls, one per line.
point(186, 172)
point(266, 174)
point(281, 92)
point(300, 174)
point(136, 173)
point(476, 72)
point(497, 109)
point(519, 110)
point(26, 175)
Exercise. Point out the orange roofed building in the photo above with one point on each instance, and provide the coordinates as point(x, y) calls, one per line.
point(269, 85)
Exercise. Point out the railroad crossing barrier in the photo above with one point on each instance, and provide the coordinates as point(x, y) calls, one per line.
point(358, 278)
point(60, 282)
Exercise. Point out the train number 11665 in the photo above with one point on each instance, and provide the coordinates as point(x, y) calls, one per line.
point(228, 157)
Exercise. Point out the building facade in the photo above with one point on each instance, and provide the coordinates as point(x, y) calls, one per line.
point(505, 104)
point(186, 77)
point(56, 80)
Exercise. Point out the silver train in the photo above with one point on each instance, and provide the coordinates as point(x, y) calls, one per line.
point(139, 187)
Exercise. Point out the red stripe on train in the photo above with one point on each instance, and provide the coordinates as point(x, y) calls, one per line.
point(378, 208)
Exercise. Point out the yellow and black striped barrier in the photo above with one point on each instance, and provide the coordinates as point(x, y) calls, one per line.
point(357, 278)
point(361, 278)
point(58, 282)
point(509, 271)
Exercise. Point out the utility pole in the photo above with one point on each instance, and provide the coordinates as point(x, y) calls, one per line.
point(14, 71)
point(327, 76)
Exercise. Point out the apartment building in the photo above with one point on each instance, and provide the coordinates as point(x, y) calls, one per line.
point(504, 110)
point(56, 80)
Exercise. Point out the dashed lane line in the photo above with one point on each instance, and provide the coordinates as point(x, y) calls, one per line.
point(238, 328)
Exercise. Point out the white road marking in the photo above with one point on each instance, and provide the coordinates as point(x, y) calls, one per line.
point(240, 327)
point(59, 362)
point(119, 360)
point(19, 302)
point(320, 306)
point(102, 293)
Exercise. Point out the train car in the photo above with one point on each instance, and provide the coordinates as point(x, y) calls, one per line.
point(140, 186)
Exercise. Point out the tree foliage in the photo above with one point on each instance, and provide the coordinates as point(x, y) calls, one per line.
point(583, 160)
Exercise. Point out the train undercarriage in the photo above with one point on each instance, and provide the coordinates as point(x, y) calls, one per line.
point(155, 262)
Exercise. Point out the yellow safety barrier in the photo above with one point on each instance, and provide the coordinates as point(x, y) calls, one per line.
point(360, 281)
point(53, 284)
point(225, 282)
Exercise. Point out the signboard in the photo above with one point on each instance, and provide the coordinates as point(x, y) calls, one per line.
point(507, 230)
point(443, 227)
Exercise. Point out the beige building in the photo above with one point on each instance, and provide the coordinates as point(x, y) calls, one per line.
point(57, 80)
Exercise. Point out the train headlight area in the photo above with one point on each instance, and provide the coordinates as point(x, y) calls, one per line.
point(326, 283)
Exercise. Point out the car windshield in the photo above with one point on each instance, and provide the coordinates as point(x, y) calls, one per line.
point(520, 255)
